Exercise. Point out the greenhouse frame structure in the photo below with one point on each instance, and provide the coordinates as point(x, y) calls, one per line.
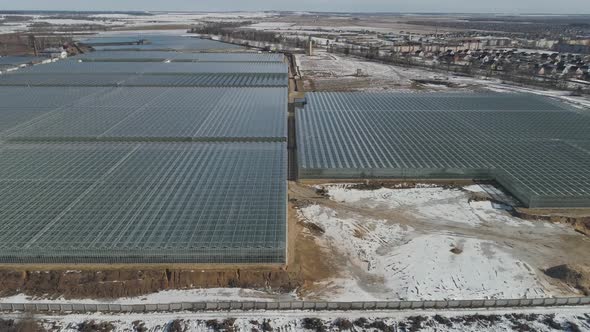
point(164, 172)
point(143, 202)
point(534, 147)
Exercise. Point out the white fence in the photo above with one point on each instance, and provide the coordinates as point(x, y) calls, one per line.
point(292, 305)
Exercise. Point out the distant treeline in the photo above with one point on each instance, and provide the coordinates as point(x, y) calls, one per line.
point(231, 30)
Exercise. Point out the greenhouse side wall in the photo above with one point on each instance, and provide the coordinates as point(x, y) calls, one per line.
point(518, 190)
point(395, 173)
point(553, 202)
point(211, 256)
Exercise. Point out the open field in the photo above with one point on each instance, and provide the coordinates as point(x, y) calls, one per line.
point(274, 21)
point(432, 243)
point(335, 24)
point(325, 71)
point(332, 72)
point(80, 22)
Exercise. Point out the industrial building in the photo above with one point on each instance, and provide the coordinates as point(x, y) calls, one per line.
point(536, 148)
point(188, 167)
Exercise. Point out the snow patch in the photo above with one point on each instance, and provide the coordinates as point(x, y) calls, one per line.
point(475, 188)
point(169, 296)
point(425, 268)
point(448, 205)
point(413, 266)
point(363, 238)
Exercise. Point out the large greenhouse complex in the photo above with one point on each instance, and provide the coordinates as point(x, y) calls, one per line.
point(146, 157)
point(178, 150)
point(536, 148)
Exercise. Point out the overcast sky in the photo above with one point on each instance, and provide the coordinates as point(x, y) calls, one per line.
point(471, 6)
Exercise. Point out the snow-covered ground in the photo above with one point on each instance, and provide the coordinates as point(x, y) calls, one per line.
point(12, 27)
point(424, 243)
point(169, 296)
point(425, 267)
point(69, 21)
point(131, 21)
point(54, 20)
point(534, 319)
point(330, 71)
point(270, 25)
point(185, 18)
point(327, 28)
point(416, 267)
point(431, 202)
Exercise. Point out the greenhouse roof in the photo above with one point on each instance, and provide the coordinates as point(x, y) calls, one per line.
point(150, 114)
point(145, 162)
point(161, 80)
point(143, 203)
point(532, 145)
point(161, 56)
point(135, 67)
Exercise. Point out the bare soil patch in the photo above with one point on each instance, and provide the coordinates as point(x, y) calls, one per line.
point(576, 276)
point(578, 219)
point(109, 284)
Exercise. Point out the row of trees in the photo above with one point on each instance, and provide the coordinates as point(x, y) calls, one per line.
point(229, 30)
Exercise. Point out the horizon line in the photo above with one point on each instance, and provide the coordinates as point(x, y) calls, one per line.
point(291, 11)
